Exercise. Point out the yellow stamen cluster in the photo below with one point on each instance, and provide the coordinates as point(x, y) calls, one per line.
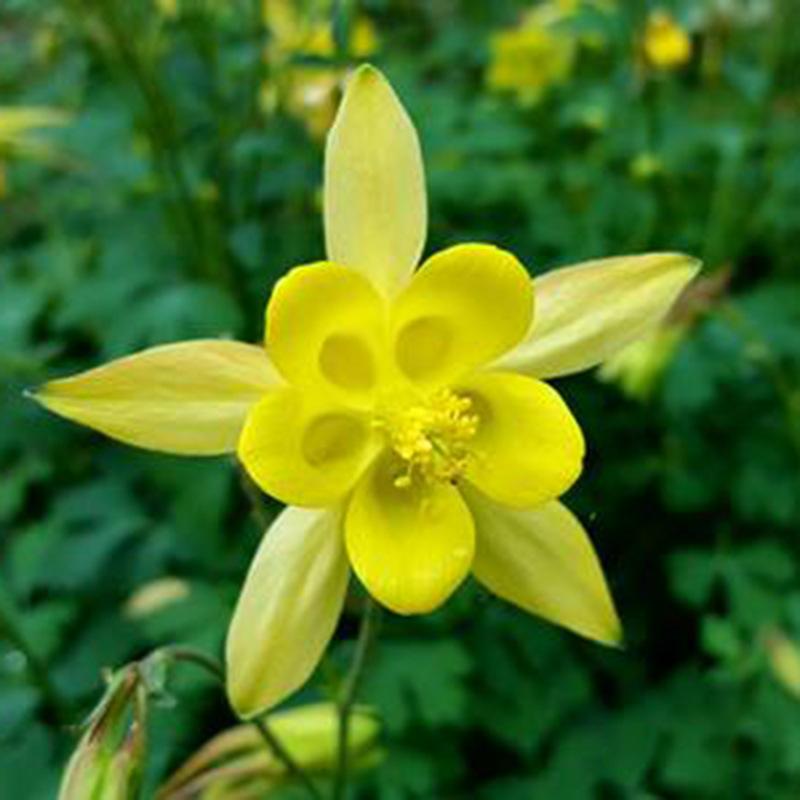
point(432, 438)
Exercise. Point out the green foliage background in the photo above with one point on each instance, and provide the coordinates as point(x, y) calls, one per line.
point(173, 204)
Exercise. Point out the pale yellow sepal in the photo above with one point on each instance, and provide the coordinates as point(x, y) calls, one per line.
point(588, 312)
point(375, 204)
point(288, 609)
point(542, 560)
point(189, 398)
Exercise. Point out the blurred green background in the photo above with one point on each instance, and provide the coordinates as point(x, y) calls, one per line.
point(160, 167)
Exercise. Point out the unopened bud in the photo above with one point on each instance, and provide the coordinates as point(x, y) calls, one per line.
point(238, 760)
point(107, 762)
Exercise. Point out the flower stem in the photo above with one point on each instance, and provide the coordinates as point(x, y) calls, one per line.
point(213, 667)
point(283, 755)
point(196, 657)
point(366, 637)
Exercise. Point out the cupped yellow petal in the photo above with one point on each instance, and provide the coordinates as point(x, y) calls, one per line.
point(587, 312)
point(466, 306)
point(303, 451)
point(527, 448)
point(411, 546)
point(542, 560)
point(326, 331)
point(375, 206)
point(287, 611)
point(189, 398)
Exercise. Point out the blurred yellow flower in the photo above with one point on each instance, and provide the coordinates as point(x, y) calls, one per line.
point(666, 45)
point(783, 656)
point(528, 59)
point(405, 415)
point(237, 764)
point(168, 9)
point(156, 595)
point(540, 51)
point(17, 139)
point(646, 166)
point(308, 91)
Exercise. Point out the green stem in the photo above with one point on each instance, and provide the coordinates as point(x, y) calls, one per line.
point(285, 757)
point(366, 637)
point(196, 657)
point(214, 668)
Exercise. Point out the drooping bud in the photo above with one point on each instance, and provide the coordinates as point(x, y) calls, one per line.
point(238, 759)
point(107, 763)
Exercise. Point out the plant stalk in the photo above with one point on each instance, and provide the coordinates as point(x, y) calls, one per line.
point(366, 638)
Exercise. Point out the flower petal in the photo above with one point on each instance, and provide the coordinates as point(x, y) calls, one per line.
point(303, 451)
point(189, 398)
point(288, 609)
point(466, 305)
point(411, 547)
point(375, 206)
point(588, 312)
point(325, 331)
point(528, 447)
point(542, 560)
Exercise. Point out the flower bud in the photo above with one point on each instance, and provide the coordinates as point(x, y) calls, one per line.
point(107, 762)
point(239, 760)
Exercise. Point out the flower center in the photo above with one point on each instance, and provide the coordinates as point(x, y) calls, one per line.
point(431, 437)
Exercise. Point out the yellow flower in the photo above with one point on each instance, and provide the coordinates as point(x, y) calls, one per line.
point(666, 45)
point(236, 763)
point(645, 166)
point(528, 59)
point(169, 9)
point(154, 596)
point(540, 51)
point(402, 415)
point(308, 92)
point(783, 657)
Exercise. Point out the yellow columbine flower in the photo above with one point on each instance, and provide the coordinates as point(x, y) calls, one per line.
point(309, 92)
point(540, 51)
point(666, 45)
point(401, 415)
point(528, 59)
